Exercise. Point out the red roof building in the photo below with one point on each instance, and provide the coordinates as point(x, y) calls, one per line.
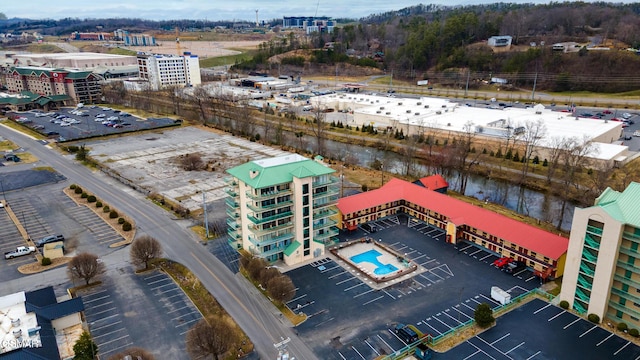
point(434, 182)
point(539, 249)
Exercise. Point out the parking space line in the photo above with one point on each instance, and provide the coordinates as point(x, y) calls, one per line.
point(532, 356)
point(418, 282)
point(482, 258)
point(164, 292)
point(493, 347)
point(103, 304)
point(161, 286)
point(461, 312)
point(504, 336)
point(468, 246)
point(443, 323)
point(103, 311)
point(476, 301)
point(364, 293)
point(110, 341)
point(418, 257)
point(529, 279)
point(157, 281)
point(374, 300)
point(515, 347)
point(372, 348)
point(353, 287)
point(542, 308)
point(480, 350)
point(623, 346)
point(475, 252)
point(586, 332)
point(181, 316)
point(555, 316)
point(356, 350)
point(188, 322)
point(117, 348)
point(433, 282)
point(426, 262)
point(104, 326)
point(349, 279)
point(493, 301)
point(109, 333)
point(330, 269)
point(342, 356)
point(571, 323)
point(174, 310)
point(384, 342)
point(296, 299)
point(336, 275)
point(520, 272)
point(445, 313)
point(470, 308)
point(605, 339)
point(391, 296)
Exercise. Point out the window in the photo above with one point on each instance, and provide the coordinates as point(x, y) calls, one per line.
point(305, 188)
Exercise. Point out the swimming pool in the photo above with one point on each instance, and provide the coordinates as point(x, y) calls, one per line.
point(371, 256)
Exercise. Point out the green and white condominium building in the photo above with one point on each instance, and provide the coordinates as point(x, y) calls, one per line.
point(602, 272)
point(281, 208)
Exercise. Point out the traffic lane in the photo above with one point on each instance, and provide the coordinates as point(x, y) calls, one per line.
point(222, 285)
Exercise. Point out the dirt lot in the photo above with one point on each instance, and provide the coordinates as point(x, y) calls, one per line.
point(203, 49)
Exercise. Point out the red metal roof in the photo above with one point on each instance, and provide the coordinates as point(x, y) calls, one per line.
point(460, 213)
point(434, 182)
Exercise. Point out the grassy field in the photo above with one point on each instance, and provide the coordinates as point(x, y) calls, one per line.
point(226, 60)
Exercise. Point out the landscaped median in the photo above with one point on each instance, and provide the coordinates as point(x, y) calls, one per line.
point(124, 225)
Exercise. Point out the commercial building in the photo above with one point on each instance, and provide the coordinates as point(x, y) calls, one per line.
point(34, 323)
point(91, 36)
point(440, 117)
point(602, 273)
point(79, 86)
point(169, 70)
point(280, 208)
point(499, 41)
point(309, 24)
point(540, 250)
point(129, 39)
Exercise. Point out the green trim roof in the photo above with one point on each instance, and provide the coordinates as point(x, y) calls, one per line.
point(622, 206)
point(78, 75)
point(279, 170)
point(291, 248)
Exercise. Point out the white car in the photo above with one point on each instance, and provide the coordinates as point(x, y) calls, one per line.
point(626, 115)
point(636, 133)
point(100, 115)
point(65, 124)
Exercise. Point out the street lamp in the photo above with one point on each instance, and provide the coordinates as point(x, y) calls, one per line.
point(382, 174)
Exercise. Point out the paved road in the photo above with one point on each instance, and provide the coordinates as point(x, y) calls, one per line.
point(255, 315)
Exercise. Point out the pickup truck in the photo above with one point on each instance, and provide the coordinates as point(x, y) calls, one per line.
point(19, 251)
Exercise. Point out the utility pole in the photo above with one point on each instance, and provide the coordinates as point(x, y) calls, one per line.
point(466, 88)
point(533, 92)
point(206, 220)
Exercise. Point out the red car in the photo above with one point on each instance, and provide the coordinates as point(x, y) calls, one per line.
point(502, 262)
point(607, 112)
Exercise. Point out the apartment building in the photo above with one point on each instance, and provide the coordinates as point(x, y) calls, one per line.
point(602, 273)
point(80, 86)
point(169, 70)
point(540, 250)
point(280, 208)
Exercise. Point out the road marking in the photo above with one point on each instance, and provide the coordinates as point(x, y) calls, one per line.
point(424, 277)
point(109, 333)
point(110, 341)
point(571, 323)
point(465, 248)
point(296, 299)
point(532, 356)
point(104, 326)
point(330, 269)
point(336, 275)
point(475, 252)
point(493, 347)
point(364, 293)
point(480, 350)
point(353, 287)
point(103, 304)
point(391, 296)
point(174, 310)
point(529, 279)
point(342, 356)
point(418, 257)
point(384, 342)
point(103, 311)
point(349, 279)
point(520, 272)
point(555, 316)
point(513, 348)
point(356, 350)
point(542, 308)
point(624, 346)
point(605, 339)
point(372, 348)
point(495, 341)
point(157, 281)
point(586, 332)
point(96, 299)
point(376, 299)
point(161, 286)
point(482, 258)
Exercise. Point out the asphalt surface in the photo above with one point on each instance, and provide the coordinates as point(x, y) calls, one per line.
point(254, 314)
point(22, 179)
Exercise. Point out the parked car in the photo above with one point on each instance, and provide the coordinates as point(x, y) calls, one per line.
point(636, 133)
point(627, 137)
point(502, 262)
point(100, 115)
point(607, 112)
point(406, 334)
point(49, 239)
point(514, 267)
point(19, 251)
point(586, 114)
point(626, 115)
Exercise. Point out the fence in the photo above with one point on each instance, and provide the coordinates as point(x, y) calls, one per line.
point(432, 341)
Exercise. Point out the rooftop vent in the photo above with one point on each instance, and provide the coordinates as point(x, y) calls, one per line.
point(400, 103)
point(438, 112)
point(408, 111)
point(416, 114)
point(426, 106)
point(15, 322)
point(381, 107)
point(419, 103)
point(388, 113)
point(378, 111)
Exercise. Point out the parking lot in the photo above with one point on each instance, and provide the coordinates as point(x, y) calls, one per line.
point(90, 121)
point(146, 310)
point(538, 330)
point(357, 321)
point(9, 240)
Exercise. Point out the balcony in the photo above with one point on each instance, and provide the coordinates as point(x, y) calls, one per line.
point(579, 308)
point(327, 234)
point(234, 234)
point(591, 242)
point(594, 230)
point(231, 181)
point(587, 255)
point(325, 201)
point(272, 251)
point(332, 180)
point(625, 295)
point(232, 203)
point(584, 283)
point(267, 240)
point(269, 207)
point(324, 213)
point(624, 309)
point(626, 266)
point(329, 192)
point(631, 236)
point(626, 281)
point(582, 296)
point(232, 224)
point(233, 192)
point(268, 195)
point(259, 221)
point(325, 224)
point(628, 251)
point(233, 213)
point(258, 231)
point(586, 270)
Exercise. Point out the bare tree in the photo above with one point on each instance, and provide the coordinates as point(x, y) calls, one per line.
point(281, 288)
point(85, 266)
point(319, 127)
point(460, 152)
point(134, 353)
point(534, 131)
point(192, 162)
point(144, 249)
point(267, 274)
point(211, 338)
point(556, 144)
point(201, 98)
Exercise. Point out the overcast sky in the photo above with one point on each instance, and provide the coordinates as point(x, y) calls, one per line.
point(212, 9)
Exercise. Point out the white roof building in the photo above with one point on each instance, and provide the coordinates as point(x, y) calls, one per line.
point(169, 70)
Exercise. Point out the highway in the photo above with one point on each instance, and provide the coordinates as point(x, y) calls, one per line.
point(257, 317)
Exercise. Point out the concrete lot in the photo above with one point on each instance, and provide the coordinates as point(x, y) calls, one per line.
point(350, 320)
point(145, 310)
point(539, 330)
point(89, 125)
point(152, 161)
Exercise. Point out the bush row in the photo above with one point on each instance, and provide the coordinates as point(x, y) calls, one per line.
point(126, 226)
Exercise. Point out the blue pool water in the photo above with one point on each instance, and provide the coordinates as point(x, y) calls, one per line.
point(371, 256)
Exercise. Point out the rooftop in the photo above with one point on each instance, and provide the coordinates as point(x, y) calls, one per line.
point(460, 213)
point(622, 206)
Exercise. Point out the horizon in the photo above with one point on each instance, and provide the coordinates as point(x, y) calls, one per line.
point(244, 10)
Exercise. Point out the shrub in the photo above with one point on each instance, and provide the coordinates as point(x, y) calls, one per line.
point(78, 190)
point(98, 204)
point(113, 214)
point(46, 261)
point(106, 209)
point(84, 195)
point(72, 186)
point(594, 318)
point(126, 226)
point(634, 332)
point(120, 221)
point(564, 304)
point(91, 199)
point(622, 326)
point(483, 315)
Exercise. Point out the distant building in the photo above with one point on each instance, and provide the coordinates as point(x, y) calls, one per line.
point(280, 208)
point(499, 41)
point(434, 182)
point(34, 323)
point(88, 36)
point(309, 24)
point(169, 70)
point(602, 273)
point(134, 39)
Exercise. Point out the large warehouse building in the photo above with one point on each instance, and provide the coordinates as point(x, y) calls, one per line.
point(442, 117)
